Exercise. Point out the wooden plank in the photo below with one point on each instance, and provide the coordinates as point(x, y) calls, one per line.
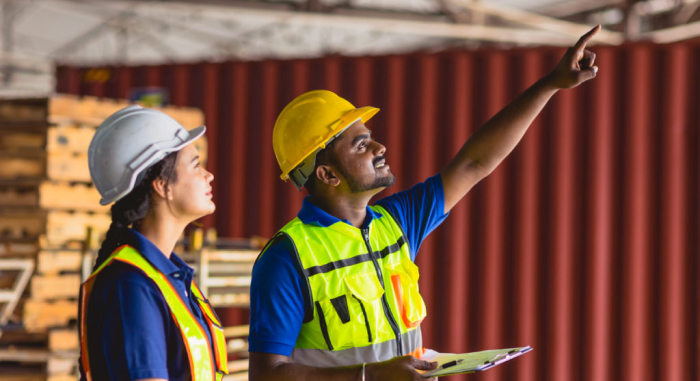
point(62, 365)
point(232, 255)
point(24, 355)
point(15, 249)
point(92, 111)
point(7, 126)
point(241, 376)
point(237, 345)
point(202, 146)
point(230, 268)
point(71, 244)
point(25, 110)
point(237, 365)
point(22, 140)
point(16, 335)
point(67, 167)
point(18, 224)
point(85, 110)
point(64, 196)
point(45, 287)
point(14, 168)
point(76, 139)
point(62, 377)
point(63, 340)
point(233, 299)
point(55, 262)
point(236, 331)
point(70, 139)
point(19, 196)
point(40, 315)
point(24, 377)
point(63, 226)
point(228, 281)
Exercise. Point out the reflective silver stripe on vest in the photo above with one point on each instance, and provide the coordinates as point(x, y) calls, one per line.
point(320, 358)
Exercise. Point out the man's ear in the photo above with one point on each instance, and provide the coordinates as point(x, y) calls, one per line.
point(326, 174)
point(161, 188)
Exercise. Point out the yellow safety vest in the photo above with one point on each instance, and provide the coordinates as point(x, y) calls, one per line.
point(364, 304)
point(203, 366)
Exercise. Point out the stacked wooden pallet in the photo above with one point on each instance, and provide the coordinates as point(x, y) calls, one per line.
point(223, 272)
point(47, 203)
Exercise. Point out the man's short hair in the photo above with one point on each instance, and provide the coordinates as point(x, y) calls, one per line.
point(323, 157)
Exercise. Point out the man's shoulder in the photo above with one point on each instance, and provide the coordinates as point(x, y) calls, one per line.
point(278, 253)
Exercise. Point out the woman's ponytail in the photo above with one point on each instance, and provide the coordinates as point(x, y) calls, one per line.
point(132, 208)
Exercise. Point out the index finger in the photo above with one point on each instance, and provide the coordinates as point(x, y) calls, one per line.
point(581, 43)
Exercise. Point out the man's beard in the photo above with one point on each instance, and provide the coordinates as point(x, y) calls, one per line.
point(357, 186)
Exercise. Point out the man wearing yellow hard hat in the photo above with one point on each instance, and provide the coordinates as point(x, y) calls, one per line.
point(335, 294)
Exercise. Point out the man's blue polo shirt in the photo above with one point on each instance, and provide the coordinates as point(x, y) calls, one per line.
point(277, 289)
point(131, 331)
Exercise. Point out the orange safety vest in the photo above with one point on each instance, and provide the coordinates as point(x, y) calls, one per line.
point(202, 365)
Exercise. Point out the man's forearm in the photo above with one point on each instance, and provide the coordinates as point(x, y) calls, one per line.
point(285, 371)
point(488, 146)
point(484, 150)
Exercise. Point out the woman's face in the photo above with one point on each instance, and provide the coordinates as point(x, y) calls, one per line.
point(190, 195)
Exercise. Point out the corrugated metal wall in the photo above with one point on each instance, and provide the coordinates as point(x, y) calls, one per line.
point(583, 243)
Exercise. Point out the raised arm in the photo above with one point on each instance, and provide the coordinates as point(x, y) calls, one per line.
point(489, 145)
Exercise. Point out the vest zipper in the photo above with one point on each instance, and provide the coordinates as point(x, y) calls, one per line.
point(385, 303)
point(364, 313)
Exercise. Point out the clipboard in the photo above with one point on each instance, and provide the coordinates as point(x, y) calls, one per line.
point(450, 364)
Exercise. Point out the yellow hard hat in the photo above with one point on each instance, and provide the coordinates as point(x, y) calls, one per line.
point(308, 123)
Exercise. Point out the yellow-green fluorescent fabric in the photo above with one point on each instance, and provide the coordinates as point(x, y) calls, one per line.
point(364, 304)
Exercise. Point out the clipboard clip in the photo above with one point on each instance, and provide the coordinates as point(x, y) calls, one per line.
point(503, 357)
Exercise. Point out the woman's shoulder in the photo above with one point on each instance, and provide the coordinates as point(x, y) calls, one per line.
point(124, 278)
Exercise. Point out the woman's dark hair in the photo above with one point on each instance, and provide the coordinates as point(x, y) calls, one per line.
point(132, 208)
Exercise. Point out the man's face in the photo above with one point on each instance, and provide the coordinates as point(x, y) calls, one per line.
point(360, 160)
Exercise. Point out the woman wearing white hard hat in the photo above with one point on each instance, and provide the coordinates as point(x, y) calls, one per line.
point(141, 315)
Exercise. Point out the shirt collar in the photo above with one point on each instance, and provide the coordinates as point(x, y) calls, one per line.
point(312, 214)
point(153, 254)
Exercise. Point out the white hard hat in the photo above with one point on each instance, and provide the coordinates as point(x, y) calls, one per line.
point(130, 141)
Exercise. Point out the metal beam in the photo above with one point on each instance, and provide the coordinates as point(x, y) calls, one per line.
point(574, 7)
point(80, 41)
point(8, 19)
point(352, 22)
point(410, 27)
point(539, 21)
point(674, 34)
point(26, 63)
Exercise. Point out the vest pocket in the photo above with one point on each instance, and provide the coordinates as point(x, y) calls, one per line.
point(324, 326)
point(367, 312)
point(355, 318)
point(364, 313)
point(404, 283)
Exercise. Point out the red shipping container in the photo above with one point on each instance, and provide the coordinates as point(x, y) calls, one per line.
point(583, 243)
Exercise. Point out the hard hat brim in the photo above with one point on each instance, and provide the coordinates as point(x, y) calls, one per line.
point(194, 134)
point(363, 113)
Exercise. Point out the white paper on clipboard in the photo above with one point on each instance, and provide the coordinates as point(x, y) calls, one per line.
point(450, 363)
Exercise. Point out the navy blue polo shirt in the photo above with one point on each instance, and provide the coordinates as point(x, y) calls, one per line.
point(277, 288)
point(131, 332)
